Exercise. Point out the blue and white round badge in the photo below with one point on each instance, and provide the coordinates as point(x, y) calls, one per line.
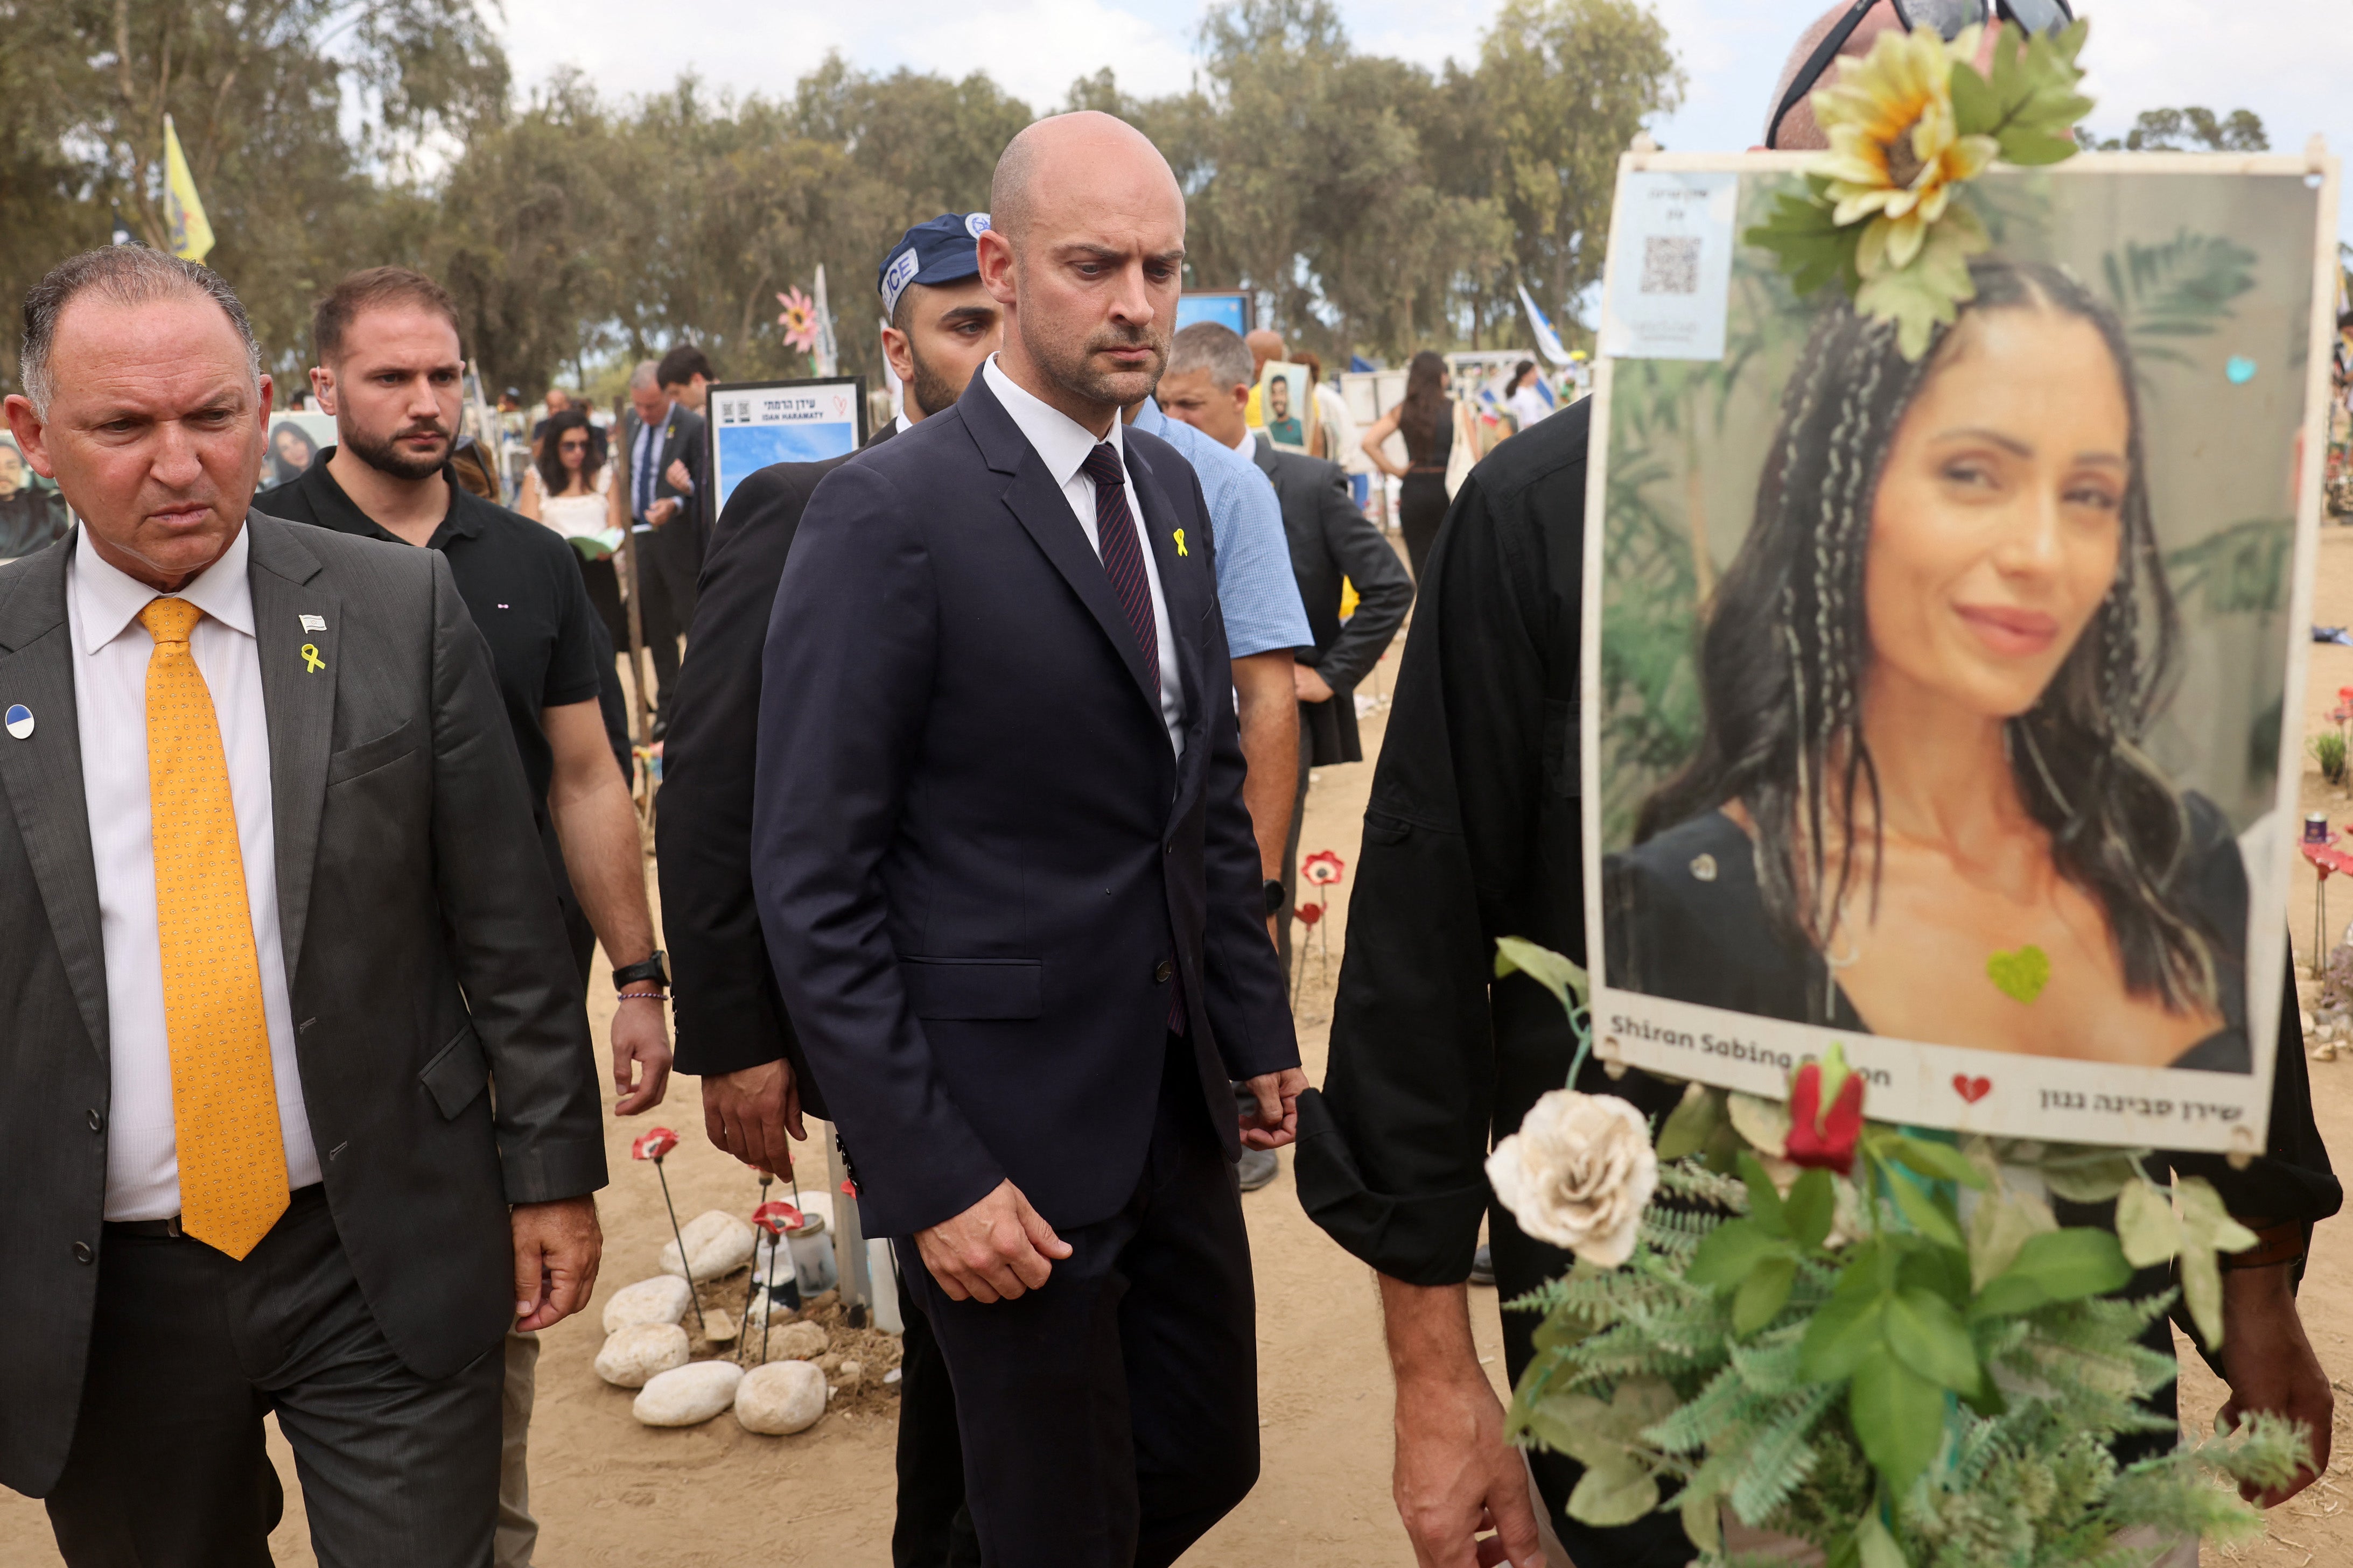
point(975, 223)
point(20, 720)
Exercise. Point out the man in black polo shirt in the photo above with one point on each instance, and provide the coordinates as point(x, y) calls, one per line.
point(389, 371)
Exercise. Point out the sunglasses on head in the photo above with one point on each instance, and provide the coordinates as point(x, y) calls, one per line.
point(1948, 18)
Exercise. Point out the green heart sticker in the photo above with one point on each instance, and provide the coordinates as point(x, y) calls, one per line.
point(2020, 976)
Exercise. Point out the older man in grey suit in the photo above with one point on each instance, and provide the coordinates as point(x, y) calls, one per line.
point(273, 919)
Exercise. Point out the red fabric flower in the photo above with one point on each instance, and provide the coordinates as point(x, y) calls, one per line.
point(777, 1218)
point(1824, 1141)
point(653, 1143)
point(1323, 868)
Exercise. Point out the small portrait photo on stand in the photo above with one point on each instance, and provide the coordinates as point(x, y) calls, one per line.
point(33, 515)
point(1286, 401)
point(1946, 642)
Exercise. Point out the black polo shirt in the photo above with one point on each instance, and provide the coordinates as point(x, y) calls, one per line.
point(519, 580)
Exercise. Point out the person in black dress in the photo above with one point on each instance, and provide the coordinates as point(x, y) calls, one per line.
point(1426, 420)
point(1925, 679)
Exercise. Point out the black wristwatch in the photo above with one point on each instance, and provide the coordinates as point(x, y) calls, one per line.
point(1275, 895)
point(652, 969)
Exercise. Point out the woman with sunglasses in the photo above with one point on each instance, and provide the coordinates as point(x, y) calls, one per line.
point(569, 489)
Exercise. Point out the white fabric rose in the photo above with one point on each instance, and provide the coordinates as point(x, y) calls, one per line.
point(1579, 1173)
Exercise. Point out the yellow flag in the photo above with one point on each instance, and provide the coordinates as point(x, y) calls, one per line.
point(192, 231)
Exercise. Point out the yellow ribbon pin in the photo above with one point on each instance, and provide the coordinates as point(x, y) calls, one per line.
point(1179, 537)
point(310, 660)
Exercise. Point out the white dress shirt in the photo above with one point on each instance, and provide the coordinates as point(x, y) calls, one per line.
point(1064, 443)
point(111, 651)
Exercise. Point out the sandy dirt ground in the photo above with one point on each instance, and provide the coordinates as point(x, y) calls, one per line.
point(607, 1491)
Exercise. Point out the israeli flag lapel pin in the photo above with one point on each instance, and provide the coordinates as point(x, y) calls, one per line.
point(20, 720)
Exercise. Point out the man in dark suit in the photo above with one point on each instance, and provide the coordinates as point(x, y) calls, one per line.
point(273, 919)
point(1207, 387)
point(732, 1022)
point(661, 445)
point(1010, 890)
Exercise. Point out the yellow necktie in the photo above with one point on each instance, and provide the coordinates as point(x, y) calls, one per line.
point(224, 1095)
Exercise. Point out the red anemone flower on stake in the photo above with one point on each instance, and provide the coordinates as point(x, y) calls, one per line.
point(1818, 1139)
point(777, 1218)
point(653, 1143)
point(1323, 868)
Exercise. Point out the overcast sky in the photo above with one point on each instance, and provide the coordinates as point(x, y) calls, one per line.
point(2291, 61)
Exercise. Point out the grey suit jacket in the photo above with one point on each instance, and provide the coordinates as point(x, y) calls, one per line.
point(424, 957)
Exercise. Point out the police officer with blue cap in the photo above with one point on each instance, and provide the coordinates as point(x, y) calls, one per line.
point(941, 323)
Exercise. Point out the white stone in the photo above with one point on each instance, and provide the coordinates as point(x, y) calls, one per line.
point(660, 1300)
point(781, 1398)
point(638, 1352)
point(688, 1395)
point(795, 1341)
point(718, 1327)
point(717, 1243)
point(851, 1374)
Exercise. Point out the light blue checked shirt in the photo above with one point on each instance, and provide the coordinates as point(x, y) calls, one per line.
point(1256, 587)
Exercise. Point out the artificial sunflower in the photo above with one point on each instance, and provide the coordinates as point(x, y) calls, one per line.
point(1897, 151)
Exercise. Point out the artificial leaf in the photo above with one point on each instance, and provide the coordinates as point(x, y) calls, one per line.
point(1571, 1424)
point(2003, 1222)
point(2146, 1226)
point(1938, 1161)
point(1939, 1270)
point(1563, 1326)
point(1691, 1123)
point(1763, 1294)
point(1726, 1254)
point(2090, 1175)
point(1929, 1336)
point(1811, 1208)
point(1764, 1123)
point(1811, 247)
point(2201, 1293)
point(1874, 1548)
point(1702, 1513)
point(1931, 1217)
point(1927, 293)
point(2056, 1266)
point(1898, 1417)
point(1617, 1491)
point(1548, 969)
point(2205, 1221)
point(1763, 1198)
point(2026, 101)
point(1844, 1330)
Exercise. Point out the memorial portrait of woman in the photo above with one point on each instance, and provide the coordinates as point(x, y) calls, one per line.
point(1919, 806)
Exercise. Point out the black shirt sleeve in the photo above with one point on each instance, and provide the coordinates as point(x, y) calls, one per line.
point(582, 654)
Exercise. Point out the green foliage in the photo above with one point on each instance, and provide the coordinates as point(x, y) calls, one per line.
point(2027, 101)
point(2182, 288)
point(2188, 130)
point(2328, 750)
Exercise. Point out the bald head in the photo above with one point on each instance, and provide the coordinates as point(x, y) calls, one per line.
point(1085, 253)
point(1264, 344)
point(1799, 133)
point(1066, 149)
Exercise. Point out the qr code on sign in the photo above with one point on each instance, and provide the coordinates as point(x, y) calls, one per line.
point(1671, 264)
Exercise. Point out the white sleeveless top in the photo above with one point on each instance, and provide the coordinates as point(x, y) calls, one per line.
point(579, 516)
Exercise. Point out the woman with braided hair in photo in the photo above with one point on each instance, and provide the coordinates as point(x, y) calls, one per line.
point(1925, 679)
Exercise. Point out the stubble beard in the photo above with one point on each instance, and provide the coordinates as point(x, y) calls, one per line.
point(1072, 367)
point(386, 459)
point(930, 389)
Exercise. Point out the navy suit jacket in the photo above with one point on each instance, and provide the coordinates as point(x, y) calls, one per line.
point(979, 866)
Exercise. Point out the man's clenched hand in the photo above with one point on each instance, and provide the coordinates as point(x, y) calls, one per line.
point(996, 1250)
point(750, 1112)
point(557, 1246)
point(1277, 1122)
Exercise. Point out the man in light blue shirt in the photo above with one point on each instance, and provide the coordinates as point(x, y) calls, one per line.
point(1259, 595)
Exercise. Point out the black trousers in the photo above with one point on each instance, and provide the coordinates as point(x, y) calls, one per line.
point(1110, 1418)
point(190, 1348)
point(668, 560)
point(933, 1528)
point(1422, 508)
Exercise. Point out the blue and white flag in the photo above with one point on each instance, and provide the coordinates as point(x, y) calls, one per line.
point(1548, 341)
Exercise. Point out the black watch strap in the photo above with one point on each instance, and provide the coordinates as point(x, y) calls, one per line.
point(653, 969)
point(1275, 897)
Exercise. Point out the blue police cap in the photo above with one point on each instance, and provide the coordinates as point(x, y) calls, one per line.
point(944, 250)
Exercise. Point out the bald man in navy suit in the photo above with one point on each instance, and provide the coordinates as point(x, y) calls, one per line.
point(1010, 890)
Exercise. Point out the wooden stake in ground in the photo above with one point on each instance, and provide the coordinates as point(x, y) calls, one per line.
point(653, 1144)
point(638, 668)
